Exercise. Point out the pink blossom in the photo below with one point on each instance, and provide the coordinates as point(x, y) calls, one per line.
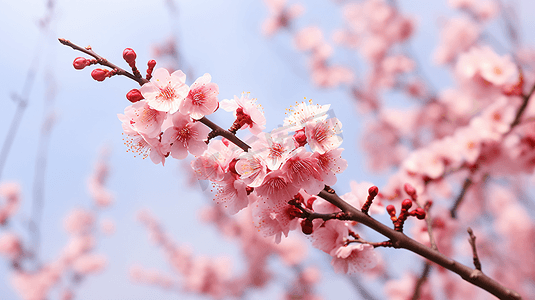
point(274, 147)
point(79, 221)
point(143, 119)
point(249, 108)
point(330, 236)
point(165, 92)
point(214, 162)
point(89, 263)
point(277, 187)
point(185, 136)
point(303, 113)
point(330, 163)
point(322, 135)
point(10, 245)
point(232, 194)
point(302, 170)
point(354, 258)
point(483, 61)
point(201, 99)
point(308, 38)
point(144, 146)
point(107, 226)
point(457, 36)
point(274, 218)
point(252, 168)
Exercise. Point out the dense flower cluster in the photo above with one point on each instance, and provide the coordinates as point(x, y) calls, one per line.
point(293, 162)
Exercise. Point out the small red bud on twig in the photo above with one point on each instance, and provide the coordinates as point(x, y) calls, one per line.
point(151, 64)
point(129, 55)
point(100, 74)
point(134, 96)
point(81, 62)
point(391, 210)
point(406, 204)
point(419, 213)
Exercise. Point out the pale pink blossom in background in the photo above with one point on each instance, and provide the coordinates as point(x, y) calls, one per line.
point(89, 263)
point(457, 35)
point(10, 245)
point(79, 221)
point(280, 15)
point(354, 258)
point(308, 38)
point(165, 92)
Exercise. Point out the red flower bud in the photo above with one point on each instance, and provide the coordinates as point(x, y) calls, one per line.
point(406, 204)
point(391, 210)
point(300, 137)
point(373, 191)
point(134, 96)
point(129, 55)
point(307, 227)
point(99, 74)
point(80, 63)
point(151, 64)
point(419, 213)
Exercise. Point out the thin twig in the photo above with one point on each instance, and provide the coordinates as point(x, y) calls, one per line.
point(472, 241)
point(420, 282)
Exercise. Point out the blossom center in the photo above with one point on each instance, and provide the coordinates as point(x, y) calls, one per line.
point(167, 93)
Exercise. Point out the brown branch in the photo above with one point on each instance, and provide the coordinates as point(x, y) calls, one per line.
point(466, 185)
point(102, 61)
point(400, 240)
point(218, 131)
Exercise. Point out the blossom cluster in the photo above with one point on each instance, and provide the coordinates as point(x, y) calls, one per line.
point(291, 163)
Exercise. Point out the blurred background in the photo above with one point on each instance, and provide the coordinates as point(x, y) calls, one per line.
point(222, 38)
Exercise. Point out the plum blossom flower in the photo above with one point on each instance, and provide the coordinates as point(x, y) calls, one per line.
point(330, 163)
point(354, 258)
point(185, 136)
point(322, 135)
point(141, 145)
point(10, 245)
point(249, 109)
point(165, 92)
point(277, 187)
point(274, 218)
point(483, 61)
point(214, 162)
point(232, 194)
point(143, 119)
point(303, 113)
point(201, 99)
point(274, 147)
point(302, 169)
point(252, 168)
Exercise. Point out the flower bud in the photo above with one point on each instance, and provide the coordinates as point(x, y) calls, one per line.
point(151, 64)
point(129, 55)
point(99, 74)
point(419, 213)
point(134, 96)
point(300, 137)
point(410, 190)
point(406, 204)
point(307, 226)
point(373, 191)
point(391, 210)
point(80, 63)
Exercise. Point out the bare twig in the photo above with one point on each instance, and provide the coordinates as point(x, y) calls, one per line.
point(472, 241)
point(420, 282)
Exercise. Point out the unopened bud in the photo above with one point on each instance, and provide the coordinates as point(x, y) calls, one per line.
point(300, 137)
point(391, 210)
point(419, 213)
point(373, 191)
point(151, 64)
point(232, 166)
point(307, 227)
point(129, 55)
point(410, 190)
point(134, 96)
point(99, 74)
point(80, 62)
point(406, 204)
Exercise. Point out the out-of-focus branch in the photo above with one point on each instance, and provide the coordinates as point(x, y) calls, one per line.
point(472, 241)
